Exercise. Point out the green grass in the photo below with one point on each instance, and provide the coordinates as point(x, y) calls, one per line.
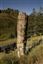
point(8, 41)
point(8, 23)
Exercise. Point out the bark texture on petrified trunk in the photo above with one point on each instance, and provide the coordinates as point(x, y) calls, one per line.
point(21, 26)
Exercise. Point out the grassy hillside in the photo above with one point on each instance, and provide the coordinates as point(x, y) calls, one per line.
point(35, 25)
point(8, 22)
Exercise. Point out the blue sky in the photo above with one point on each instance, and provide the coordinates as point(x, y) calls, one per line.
point(21, 5)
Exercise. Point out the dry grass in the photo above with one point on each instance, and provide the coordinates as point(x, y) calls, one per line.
point(35, 56)
point(34, 40)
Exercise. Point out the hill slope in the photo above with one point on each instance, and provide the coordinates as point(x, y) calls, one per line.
point(8, 22)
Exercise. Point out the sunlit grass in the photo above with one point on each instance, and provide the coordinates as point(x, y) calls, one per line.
point(34, 39)
point(8, 41)
point(36, 55)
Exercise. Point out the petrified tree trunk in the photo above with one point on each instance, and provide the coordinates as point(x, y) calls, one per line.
point(21, 26)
